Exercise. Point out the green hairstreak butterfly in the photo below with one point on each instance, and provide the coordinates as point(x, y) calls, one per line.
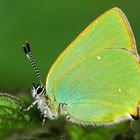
point(96, 80)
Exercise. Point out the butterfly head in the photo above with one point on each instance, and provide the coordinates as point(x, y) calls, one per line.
point(46, 105)
point(38, 91)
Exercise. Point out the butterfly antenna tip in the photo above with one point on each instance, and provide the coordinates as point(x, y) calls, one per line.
point(27, 51)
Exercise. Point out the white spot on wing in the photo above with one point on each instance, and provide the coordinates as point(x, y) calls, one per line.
point(120, 90)
point(98, 58)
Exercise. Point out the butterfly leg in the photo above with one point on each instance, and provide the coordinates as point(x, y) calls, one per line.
point(44, 117)
point(63, 112)
point(62, 109)
point(137, 117)
point(31, 106)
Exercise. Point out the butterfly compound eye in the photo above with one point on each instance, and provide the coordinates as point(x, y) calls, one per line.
point(39, 90)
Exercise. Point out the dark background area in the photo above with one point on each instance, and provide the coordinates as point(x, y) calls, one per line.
point(50, 26)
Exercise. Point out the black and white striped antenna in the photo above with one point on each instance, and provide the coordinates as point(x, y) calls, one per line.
point(27, 51)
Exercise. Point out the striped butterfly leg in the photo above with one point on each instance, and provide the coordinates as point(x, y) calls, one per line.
point(137, 117)
point(44, 117)
point(62, 111)
point(31, 106)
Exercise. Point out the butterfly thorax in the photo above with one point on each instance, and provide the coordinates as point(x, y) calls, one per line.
point(44, 103)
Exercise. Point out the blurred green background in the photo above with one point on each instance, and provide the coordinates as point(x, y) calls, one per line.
point(50, 26)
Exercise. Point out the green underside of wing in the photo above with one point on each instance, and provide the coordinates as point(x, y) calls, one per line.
point(109, 31)
point(98, 84)
point(101, 90)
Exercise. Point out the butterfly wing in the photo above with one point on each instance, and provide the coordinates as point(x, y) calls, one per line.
point(98, 74)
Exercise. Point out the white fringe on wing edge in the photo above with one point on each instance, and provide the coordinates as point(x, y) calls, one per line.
point(96, 124)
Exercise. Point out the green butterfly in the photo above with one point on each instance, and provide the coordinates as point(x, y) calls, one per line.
point(96, 80)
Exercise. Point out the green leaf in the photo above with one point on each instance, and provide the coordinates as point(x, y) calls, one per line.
point(11, 114)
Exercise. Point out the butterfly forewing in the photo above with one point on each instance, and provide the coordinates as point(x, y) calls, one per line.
point(98, 74)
